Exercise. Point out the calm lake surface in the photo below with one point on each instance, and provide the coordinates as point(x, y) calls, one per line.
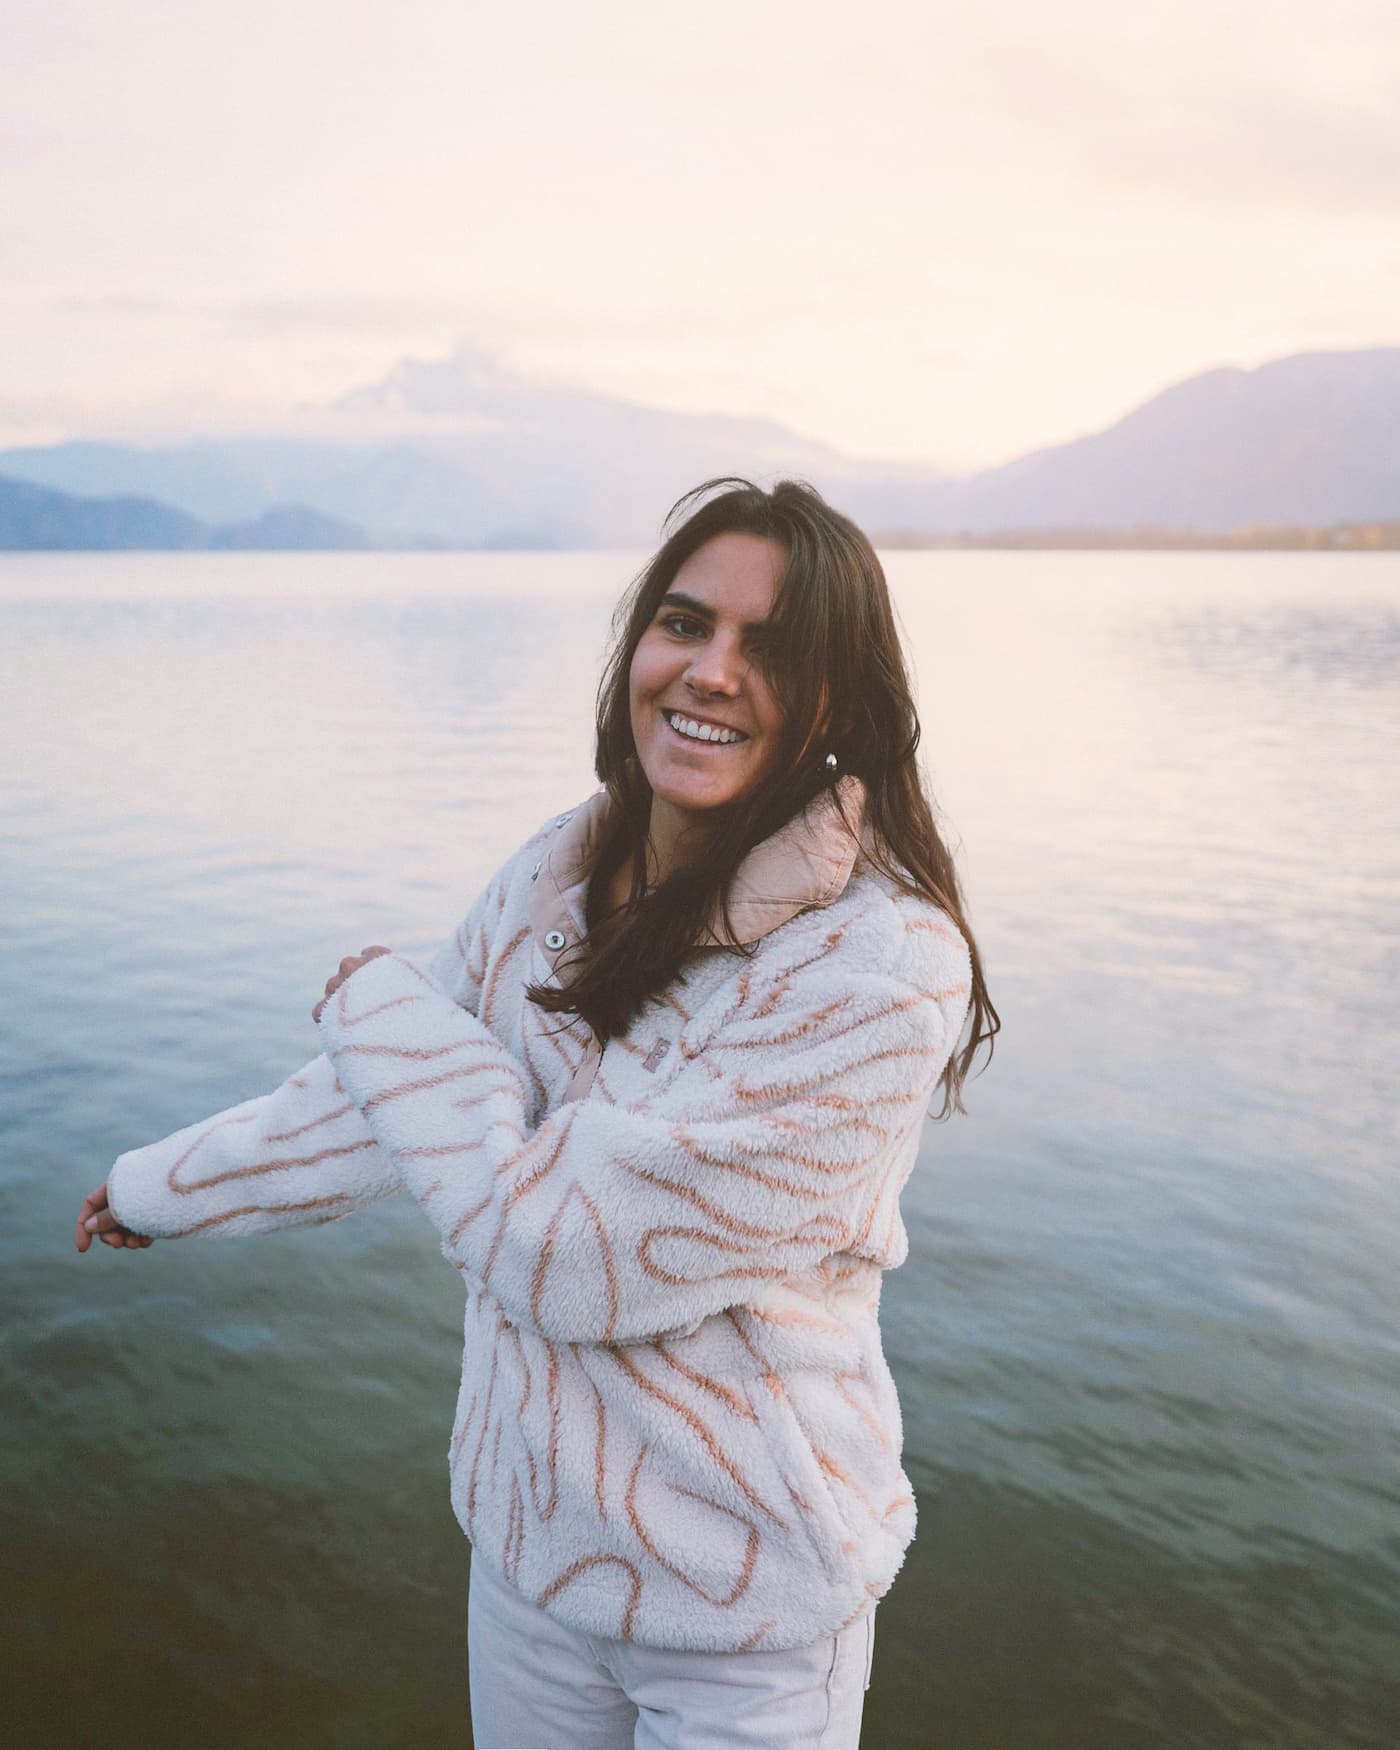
point(1148, 1336)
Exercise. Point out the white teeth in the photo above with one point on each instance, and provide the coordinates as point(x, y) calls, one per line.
point(702, 731)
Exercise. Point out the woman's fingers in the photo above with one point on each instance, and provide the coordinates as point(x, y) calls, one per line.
point(93, 1203)
point(122, 1239)
point(351, 963)
point(97, 1222)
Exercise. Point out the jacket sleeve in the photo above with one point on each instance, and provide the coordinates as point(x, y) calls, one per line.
point(765, 1152)
point(300, 1155)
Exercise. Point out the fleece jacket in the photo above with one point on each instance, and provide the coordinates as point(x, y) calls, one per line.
point(675, 1424)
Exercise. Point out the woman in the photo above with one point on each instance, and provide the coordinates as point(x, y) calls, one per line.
point(660, 1093)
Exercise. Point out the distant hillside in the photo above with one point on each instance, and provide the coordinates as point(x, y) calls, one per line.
point(468, 453)
point(1313, 439)
point(34, 518)
point(291, 526)
point(462, 452)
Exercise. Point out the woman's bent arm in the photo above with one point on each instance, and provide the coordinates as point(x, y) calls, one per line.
point(775, 1147)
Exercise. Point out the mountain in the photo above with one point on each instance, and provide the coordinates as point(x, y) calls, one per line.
point(291, 527)
point(1312, 439)
point(469, 453)
point(466, 452)
point(35, 517)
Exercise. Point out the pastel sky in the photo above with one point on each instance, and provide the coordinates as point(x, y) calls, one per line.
point(925, 230)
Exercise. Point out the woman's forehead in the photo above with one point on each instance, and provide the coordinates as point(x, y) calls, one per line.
point(734, 574)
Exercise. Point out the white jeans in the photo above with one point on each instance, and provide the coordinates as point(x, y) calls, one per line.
point(537, 1685)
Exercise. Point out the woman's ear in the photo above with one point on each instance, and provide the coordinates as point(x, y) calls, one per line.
point(821, 728)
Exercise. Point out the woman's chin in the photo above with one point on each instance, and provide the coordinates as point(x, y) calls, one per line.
point(690, 795)
point(701, 781)
point(691, 799)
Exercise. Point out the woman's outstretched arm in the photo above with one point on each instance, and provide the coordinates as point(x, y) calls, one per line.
point(294, 1157)
point(298, 1156)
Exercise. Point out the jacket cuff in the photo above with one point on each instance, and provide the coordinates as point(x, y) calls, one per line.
point(139, 1191)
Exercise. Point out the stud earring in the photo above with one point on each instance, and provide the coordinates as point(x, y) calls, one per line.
point(831, 762)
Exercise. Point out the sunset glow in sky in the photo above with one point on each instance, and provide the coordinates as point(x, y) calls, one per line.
point(911, 230)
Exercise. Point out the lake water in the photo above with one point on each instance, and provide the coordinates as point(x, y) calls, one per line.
point(1148, 1336)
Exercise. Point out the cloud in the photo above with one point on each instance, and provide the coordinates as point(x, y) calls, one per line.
point(339, 313)
point(1283, 108)
point(942, 231)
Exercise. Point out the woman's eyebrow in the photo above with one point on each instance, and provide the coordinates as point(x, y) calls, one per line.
point(677, 598)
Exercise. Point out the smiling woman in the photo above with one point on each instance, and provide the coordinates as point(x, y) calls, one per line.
point(765, 614)
point(698, 685)
point(659, 1093)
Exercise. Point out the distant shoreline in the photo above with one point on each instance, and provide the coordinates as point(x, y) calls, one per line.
point(1343, 538)
point(39, 519)
point(1338, 538)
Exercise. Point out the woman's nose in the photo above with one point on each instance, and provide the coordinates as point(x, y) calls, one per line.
point(717, 668)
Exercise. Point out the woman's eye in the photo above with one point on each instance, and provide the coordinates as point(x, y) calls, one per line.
point(684, 624)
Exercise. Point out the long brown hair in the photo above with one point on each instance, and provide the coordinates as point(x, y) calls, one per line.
point(835, 665)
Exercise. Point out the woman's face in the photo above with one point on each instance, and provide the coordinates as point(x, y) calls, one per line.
point(705, 722)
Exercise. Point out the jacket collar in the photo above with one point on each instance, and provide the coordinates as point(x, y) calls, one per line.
point(805, 864)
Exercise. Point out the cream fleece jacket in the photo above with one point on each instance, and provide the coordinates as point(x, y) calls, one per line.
point(675, 1423)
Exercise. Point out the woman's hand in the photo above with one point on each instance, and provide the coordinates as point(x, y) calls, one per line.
point(347, 966)
point(95, 1218)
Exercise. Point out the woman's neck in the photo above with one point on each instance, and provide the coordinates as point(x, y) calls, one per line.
point(674, 838)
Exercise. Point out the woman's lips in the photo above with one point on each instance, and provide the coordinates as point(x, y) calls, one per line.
point(697, 742)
